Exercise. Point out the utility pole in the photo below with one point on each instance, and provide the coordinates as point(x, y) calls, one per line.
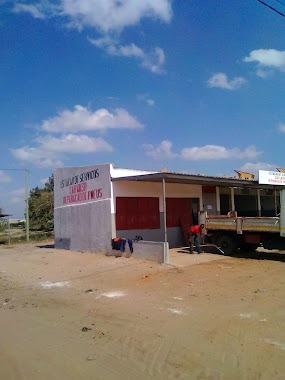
point(27, 204)
point(26, 172)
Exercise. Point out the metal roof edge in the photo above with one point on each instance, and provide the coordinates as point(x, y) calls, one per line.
point(196, 179)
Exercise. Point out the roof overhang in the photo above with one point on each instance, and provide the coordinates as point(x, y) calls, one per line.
point(197, 180)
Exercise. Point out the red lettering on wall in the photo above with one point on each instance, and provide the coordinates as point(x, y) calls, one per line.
point(79, 188)
point(95, 193)
point(80, 196)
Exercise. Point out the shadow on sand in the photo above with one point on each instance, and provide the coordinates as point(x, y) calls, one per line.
point(240, 254)
point(260, 255)
point(46, 246)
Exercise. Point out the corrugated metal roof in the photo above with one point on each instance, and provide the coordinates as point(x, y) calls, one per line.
point(126, 172)
point(205, 176)
point(164, 171)
point(200, 179)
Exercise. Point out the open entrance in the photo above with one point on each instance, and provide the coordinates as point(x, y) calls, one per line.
point(181, 213)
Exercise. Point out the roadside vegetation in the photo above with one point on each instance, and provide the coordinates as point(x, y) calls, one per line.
point(40, 216)
point(41, 207)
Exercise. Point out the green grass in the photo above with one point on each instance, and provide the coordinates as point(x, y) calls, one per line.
point(34, 236)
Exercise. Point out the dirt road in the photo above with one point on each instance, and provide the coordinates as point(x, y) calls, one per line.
point(220, 319)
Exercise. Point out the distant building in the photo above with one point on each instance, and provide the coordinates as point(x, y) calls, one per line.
point(244, 175)
point(17, 221)
point(96, 203)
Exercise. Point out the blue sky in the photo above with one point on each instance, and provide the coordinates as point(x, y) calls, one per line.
point(188, 85)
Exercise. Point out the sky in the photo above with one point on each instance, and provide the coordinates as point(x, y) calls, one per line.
point(188, 85)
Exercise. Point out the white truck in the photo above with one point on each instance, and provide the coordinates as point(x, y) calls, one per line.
point(230, 232)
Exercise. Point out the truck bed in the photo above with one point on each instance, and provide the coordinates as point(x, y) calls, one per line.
point(242, 224)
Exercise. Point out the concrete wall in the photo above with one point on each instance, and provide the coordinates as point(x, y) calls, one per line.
point(85, 227)
point(210, 203)
point(149, 250)
point(82, 213)
point(146, 250)
point(174, 234)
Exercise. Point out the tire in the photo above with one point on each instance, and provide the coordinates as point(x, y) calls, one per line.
point(227, 244)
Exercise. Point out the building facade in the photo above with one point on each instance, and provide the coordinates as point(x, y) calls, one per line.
point(96, 203)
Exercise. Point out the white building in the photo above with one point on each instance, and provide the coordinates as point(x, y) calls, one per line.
point(96, 203)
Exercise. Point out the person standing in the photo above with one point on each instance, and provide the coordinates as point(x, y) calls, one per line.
point(195, 234)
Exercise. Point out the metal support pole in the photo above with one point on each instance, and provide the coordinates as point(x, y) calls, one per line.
point(233, 207)
point(275, 202)
point(166, 258)
point(9, 232)
point(218, 200)
point(282, 213)
point(27, 204)
point(258, 202)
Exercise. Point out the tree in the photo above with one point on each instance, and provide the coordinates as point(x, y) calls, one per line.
point(41, 207)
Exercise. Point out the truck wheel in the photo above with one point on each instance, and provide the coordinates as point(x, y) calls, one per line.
point(227, 244)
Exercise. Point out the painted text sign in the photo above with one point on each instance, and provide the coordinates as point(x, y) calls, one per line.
point(271, 178)
point(81, 185)
point(78, 189)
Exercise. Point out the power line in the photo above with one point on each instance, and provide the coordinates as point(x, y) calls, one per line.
point(273, 9)
point(17, 169)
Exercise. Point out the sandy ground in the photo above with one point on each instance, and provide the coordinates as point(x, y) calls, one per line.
point(203, 317)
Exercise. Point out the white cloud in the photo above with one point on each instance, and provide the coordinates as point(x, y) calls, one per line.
point(217, 152)
point(253, 168)
point(104, 15)
point(4, 178)
point(39, 9)
point(73, 144)
point(220, 80)
point(281, 127)
point(36, 156)
point(161, 151)
point(33, 10)
point(50, 150)
point(152, 60)
point(106, 42)
point(109, 18)
point(145, 98)
point(82, 119)
point(131, 50)
point(261, 73)
point(110, 15)
point(268, 58)
point(44, 180)
point(207, 152)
